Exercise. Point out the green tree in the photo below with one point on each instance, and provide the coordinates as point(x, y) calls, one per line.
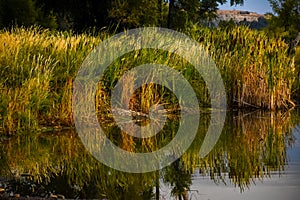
point(132, 13)
point(78, 14)
point(208, 10)
point(286, 20)
point(22, 12)
point(60, 10)
point(182, 12)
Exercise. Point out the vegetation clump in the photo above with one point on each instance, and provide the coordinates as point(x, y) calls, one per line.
point(38, 68)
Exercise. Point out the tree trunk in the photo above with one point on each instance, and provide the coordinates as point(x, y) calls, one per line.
point(171, 11)
point(295, 42)
point(159, 5)
point(157, 186)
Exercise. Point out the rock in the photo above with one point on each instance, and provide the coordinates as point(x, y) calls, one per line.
point(251, 19)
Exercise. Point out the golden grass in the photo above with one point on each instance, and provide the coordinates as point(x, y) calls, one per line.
point(37, 69)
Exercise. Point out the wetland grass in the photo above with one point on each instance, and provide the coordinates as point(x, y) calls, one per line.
point(38, 67)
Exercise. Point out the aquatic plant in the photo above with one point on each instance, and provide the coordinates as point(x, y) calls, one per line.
point(37, 69)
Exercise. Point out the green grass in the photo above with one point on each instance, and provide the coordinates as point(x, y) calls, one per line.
point(296, 88)
point(256, 69)
point(37, 70)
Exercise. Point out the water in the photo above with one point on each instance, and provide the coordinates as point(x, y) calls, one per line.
point(279, 185)
point(257, 156)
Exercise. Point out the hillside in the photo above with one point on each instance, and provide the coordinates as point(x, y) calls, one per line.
point(252, 19)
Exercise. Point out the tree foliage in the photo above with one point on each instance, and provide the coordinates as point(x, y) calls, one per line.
point(24, 13)
point(78, 14)
point(18, 11)
point(132, 13)
point(286, 20)
point(183, 12)
point(82, 14)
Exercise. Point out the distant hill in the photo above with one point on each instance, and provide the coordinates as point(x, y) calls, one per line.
point(252, 19)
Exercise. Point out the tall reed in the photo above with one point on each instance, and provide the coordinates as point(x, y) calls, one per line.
point(37, 69)
point(257, 70)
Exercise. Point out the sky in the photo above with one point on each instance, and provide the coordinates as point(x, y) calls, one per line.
point(259, 6)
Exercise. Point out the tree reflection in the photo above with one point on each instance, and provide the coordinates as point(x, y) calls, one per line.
point(251, 147)
point(179, 178)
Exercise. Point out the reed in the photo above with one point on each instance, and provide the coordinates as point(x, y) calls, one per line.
point(296, 86)
point(36, 74)
point(37, 69)
point(257, 70)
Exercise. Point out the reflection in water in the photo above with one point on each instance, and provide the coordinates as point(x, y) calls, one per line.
point(252, 147)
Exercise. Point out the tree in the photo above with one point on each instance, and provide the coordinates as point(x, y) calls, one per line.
point(78, 14)
point(286, 21)
point(208, 10)
point(24, 13)
point(235, 2)
point(132, 13)
point(194, 11)
point(21, 12)
point(179, 178)
point(83, 14)
point(171, 12)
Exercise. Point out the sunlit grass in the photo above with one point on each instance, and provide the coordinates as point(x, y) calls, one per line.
point(257, 70)
point(38, 67)
point(37, 70)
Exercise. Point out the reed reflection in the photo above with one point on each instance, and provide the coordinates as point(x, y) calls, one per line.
point(251, 147)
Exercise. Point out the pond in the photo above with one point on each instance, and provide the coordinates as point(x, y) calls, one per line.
point(257, 156)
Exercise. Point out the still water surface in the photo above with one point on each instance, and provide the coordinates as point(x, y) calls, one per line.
point(256, 157)
point(278, 185)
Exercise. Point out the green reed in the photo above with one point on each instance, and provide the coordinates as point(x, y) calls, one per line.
point(36, 74)
point(257, 70)
point(38, 67)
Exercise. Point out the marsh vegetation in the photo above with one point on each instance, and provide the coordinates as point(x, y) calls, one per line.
point(38, 68)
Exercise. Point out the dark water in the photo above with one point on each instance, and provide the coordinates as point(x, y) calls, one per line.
point(257, 156)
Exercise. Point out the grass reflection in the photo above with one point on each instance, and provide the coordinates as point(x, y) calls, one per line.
point(252, 145)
